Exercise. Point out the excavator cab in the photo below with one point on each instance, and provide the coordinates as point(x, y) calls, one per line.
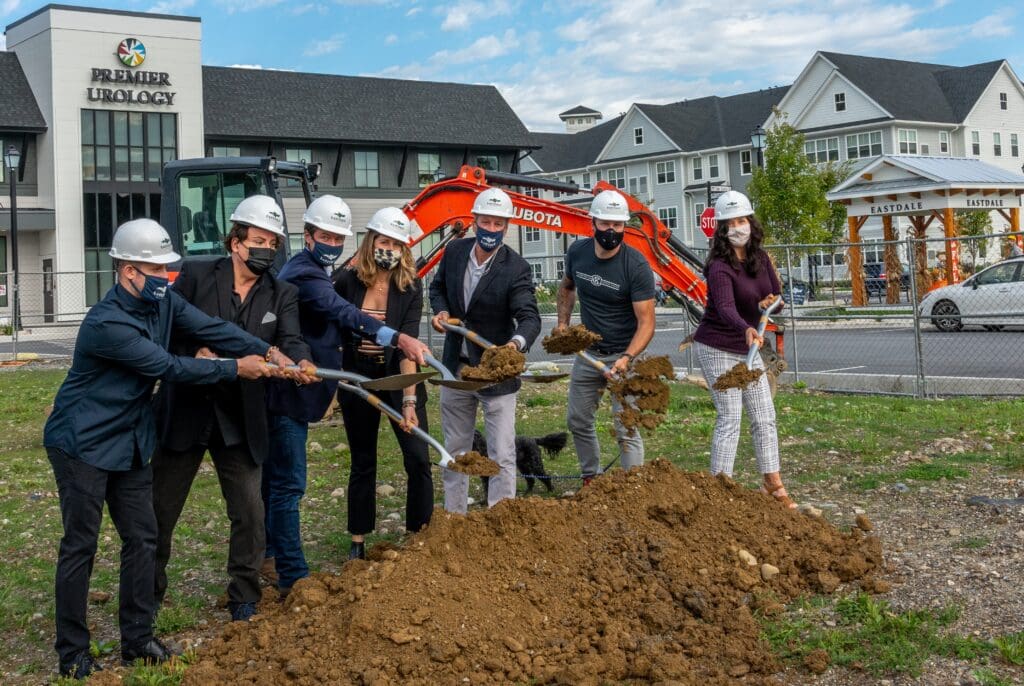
point(200, 194)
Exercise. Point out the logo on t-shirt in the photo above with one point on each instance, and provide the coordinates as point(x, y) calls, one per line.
point(598, 281)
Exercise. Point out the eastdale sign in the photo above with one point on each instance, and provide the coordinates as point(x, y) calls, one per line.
point(119, 85)
point(926, 203)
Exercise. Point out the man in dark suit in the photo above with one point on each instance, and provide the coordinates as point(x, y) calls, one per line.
point(490, 288)
point(230, 418)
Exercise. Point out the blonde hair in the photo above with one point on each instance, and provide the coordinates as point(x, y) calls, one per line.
point(402, 276)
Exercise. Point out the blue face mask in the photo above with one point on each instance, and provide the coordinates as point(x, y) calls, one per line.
point(154, 289)
point(489, 240)
point(326, 255)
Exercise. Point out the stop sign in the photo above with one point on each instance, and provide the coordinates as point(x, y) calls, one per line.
point(707, 222)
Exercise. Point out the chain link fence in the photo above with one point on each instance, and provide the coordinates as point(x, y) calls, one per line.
point(903, 332)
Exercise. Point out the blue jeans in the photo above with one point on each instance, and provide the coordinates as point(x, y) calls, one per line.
point(284, 484)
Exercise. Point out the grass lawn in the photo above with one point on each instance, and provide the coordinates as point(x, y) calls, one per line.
point(852, 441)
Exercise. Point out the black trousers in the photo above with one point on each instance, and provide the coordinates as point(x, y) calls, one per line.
point(129, 497)
point(240, 477)
point(362, 424)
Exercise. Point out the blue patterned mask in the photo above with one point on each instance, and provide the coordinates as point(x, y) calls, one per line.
point(489, 240)
point(326, 255)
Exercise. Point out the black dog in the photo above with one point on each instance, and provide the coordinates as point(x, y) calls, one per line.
point(529, 461)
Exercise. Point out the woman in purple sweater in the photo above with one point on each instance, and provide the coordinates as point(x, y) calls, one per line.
point(741, 281)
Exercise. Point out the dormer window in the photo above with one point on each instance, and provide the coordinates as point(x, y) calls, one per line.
point(840, 99)
point(638, 135)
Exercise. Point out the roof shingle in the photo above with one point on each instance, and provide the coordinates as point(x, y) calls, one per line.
point(19, 111)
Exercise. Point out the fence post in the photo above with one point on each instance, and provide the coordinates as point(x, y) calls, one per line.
point(792, 316)
point(689, 348)
point(918, 347)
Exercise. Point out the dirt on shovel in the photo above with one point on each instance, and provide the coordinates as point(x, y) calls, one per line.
point(740, 376)
point(496, 364)
point(475, 464)
point(575, 339)
point(644, 393)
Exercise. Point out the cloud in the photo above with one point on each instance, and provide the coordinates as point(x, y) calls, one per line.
point(299, 10)
point(390, 39)
point(482, 49)
point(257, 66)
point(171, 6)
point(8, 6)
point(3, 43)
point(461, 14)
point(324, 47)
point(232, 6)
point(414, 11)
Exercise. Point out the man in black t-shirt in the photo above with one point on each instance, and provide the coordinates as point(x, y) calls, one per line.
point(616, 292)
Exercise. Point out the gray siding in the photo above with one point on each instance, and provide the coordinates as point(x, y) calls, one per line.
point(621, 144)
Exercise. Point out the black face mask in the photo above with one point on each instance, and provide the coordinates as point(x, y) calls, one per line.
point(609, 239)
point(260, 260)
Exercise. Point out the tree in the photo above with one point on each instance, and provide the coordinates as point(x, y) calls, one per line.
point(974, 223)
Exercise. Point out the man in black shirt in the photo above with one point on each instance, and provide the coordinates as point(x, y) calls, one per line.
point(616, 292)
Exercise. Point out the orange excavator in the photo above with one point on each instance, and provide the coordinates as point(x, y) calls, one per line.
point(446, 205)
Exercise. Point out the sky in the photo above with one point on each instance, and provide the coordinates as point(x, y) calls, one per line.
point(546, 56)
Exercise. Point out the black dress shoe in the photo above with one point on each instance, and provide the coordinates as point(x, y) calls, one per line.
point(80, 667)
point(152, 652)
point(357, 551)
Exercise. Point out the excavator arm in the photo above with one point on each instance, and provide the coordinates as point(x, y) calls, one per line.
point(446, 207)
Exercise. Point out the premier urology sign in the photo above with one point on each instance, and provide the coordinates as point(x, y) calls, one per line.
point(926, 203)
point(120, 86)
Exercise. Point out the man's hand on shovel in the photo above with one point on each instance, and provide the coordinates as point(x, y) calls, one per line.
point(413, 348)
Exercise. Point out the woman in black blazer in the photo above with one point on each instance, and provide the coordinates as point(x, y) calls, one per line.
point(381, 280)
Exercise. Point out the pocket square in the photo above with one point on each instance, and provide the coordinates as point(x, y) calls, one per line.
point(269, 317)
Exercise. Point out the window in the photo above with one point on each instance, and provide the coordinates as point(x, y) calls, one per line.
point(698, 209)
point(713, 167)
point(304, 155)
point(1014, 145)
point(538, 271)
point(822, 150)
point(745, 165)
point(426, 164)
point(944, 142)
point(367, 169)
point(127, 146)
point(207, 201)
point(860, 145)
point(225, 151)
point(925, 149)
point(638, 186)
point(488, 162)
point(908, 141)
point(698, 169)
point(1002, 101)
point(617, 177)
point(531, 234)
point(530, 191)
point(668, 217)
point(840, 100)
point(586, 180)
point(666, 171)
point(1001, 273)
point(638, 135)
point(975, 142)
point(598, 174)
point(874, 251)
point(997, 144)
point(559, 269)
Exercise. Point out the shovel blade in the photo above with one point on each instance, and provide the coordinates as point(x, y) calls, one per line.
point(544, 378)
point(461, 385)
point(396, 382)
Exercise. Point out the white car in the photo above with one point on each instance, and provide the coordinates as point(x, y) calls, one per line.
point(993, 298)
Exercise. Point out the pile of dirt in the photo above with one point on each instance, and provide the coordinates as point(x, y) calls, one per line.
point(740, 376)
point(496, 364)
point(643, 392)
point(649, 575)
point(475, 464)
point(571, 341)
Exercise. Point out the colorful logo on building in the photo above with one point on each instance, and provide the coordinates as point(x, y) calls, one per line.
point(131, 52)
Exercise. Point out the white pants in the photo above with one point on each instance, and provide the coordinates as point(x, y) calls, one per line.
point(458, 421)
point(757, 399)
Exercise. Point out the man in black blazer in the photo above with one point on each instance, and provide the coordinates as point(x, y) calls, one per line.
point(490, 288)
point(228, 419)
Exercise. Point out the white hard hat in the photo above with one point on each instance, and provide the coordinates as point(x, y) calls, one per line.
point(495, 203)
point(610, 206)
point(330, 213)
point(143, 240)
point(260, 211)
point(393, 223)
point(732, 204)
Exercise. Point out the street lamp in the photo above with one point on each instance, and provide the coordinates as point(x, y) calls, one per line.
point(757, 137)
point(12, 160)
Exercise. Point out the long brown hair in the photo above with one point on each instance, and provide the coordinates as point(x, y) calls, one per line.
point(721, 248)
point(403, 276)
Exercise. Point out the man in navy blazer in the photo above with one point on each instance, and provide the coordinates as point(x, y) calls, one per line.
point(323, 317)
point(490, 288)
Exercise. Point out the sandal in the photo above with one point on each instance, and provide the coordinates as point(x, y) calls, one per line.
point(781, 496)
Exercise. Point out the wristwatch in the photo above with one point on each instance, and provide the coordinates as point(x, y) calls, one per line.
point(631, 356)
point(394, 339)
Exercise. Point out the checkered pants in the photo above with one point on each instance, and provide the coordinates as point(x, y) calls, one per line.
point(730, 403)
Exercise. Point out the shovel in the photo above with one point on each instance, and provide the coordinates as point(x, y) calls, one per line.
point(761, 326)
point(743, 374)
point(395, 382)
point(455, 326)
point(351, 383)
point(449, 380)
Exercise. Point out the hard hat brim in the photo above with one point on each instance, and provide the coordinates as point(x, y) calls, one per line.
point(169, 258)
point(405, 240)
point(330, 229)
